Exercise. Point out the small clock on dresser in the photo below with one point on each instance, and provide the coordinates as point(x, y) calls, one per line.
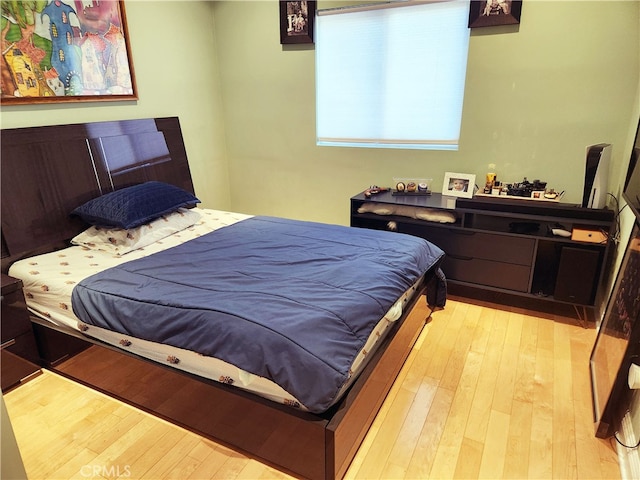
point(19, 353)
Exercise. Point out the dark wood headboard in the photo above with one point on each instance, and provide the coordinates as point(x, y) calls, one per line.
point(48, 171)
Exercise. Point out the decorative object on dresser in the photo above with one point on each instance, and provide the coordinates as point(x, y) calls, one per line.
point(506, 244)
point(459, 185)
point(20, 359)
point(412, 186)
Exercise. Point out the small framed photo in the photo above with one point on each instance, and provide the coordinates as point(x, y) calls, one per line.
point(458, 185)
point(491, 13)
point(296, 21)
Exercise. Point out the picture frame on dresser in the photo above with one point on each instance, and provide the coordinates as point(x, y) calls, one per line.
point(459, 185)
point(68, 55)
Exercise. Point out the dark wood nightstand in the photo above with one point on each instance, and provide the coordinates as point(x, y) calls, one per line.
point(19, 354)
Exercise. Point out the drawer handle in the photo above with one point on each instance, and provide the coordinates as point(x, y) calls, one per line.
point(8, 343)
point(460, 257)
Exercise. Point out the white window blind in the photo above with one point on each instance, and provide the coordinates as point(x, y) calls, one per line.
point(392, 77)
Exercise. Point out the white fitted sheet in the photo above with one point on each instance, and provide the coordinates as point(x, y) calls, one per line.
point(49, 280)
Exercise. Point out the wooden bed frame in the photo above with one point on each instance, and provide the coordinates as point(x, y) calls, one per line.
point(48, 171)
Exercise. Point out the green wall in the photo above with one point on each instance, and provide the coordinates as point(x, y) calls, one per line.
point(536, 96)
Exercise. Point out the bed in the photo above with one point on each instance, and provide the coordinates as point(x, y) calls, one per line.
point(101, 324)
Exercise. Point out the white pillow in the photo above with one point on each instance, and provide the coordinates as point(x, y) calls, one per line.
point(120, 241)
point(421, 213)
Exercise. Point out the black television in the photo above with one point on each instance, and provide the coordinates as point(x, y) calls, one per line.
point(631, 191)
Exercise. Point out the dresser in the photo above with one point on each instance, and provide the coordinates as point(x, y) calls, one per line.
point(507, 244)
point(19, 354)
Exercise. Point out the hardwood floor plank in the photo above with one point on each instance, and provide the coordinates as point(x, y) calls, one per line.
point(516, 462)
point(424, 353)
point(495, 446)
point(403, 448)
point(525, 360)
point(564, 438)
point(449, 448)
point(540, 454)
point(482, 402)
point(424, 452)
point(469, 460)
point(446, 343)
point(483, 330)
point(172, 458)
point(458, 354)
point(379, 452)
point(209, 465)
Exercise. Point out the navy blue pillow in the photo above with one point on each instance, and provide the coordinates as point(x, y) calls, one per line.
point(134, 206)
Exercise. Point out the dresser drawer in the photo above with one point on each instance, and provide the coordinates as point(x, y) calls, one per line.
point(485, 272)
point(479, 245)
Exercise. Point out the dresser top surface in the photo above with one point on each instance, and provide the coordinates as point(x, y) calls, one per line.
point(513, 205)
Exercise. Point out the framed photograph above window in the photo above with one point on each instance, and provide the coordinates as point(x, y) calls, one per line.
point(297, 21)
point(490, 13)
point(58, 52)
point(458, 185)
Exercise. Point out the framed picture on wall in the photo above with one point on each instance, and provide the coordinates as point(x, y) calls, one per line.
point(491, 13)
point(58, 52)
point(297, 20)
point(459, 185)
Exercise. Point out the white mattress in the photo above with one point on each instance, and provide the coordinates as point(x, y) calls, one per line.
point(49, 280)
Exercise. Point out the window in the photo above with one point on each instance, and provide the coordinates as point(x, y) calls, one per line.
point(392, 75)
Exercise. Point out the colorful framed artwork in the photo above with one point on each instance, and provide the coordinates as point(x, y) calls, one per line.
point(458, 185)
point(491, 13)
point(297, 20)
point(65, 51)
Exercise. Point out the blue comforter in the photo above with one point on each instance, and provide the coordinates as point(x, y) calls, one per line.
point(288, 300)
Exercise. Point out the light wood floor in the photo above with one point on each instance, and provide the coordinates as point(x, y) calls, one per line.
point(488, 392)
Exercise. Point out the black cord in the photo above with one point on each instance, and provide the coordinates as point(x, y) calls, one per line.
point(617, 232)
point(615, 435)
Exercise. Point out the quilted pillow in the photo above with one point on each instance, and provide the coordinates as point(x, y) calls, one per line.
point(119, 241)
point(133, 206)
